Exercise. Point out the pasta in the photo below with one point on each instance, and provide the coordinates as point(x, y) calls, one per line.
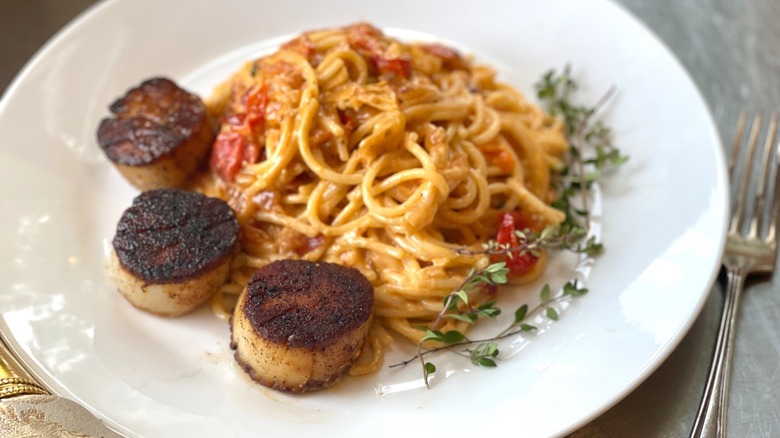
point(351, 147)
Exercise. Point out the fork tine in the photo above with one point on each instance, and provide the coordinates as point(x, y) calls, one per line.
point(770, 235)
point(737, 217)
point(737, 145)
point(756, 223)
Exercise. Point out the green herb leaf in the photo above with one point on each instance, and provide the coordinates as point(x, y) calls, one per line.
point(452, 337)
point(571, 288)
point(520, 314)
point(485, 362)
point(499, 277)
point(545, 293)
point(432, 335)
point(496, 267)
point(469, 318)
point(487, 305)
point(489, 312)
point(485, 354)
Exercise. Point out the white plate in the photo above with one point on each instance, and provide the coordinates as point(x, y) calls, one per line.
point(663, 224)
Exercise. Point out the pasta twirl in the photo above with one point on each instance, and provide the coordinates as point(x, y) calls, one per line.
point(352, 147)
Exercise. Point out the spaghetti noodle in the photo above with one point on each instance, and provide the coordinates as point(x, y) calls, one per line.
point(351, 147)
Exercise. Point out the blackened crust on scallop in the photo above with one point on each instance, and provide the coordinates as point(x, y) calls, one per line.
point(305, 304)
point(170, 236)
point(150, 121)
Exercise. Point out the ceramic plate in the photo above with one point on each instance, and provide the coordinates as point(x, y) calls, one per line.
point(662, 219)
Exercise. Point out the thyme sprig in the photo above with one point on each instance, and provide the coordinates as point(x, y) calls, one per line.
point(533, 242)
point(485, 351)
point(592, 155)
point(555, 93)
point(592, 152)
point(457, 306)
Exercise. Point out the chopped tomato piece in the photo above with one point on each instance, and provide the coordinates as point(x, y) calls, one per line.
point(394, 66)
point(499, 157)
point(299, 243)
point(256, 101)
point(309, 244)
point(450, 57)
point(368, 40)
point(229, 152)
point(521, 262)
point(504, 161)
point(235, 145)
point(348, 120)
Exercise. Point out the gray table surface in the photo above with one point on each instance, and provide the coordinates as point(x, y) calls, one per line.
point(732, 50)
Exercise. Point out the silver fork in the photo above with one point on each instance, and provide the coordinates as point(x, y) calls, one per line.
point(747, 252)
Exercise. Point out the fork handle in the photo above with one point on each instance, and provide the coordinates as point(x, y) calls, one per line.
point(711, 418)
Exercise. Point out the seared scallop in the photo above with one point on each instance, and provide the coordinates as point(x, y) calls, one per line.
point(172, 250)
point(159, 135)
point(299, 326)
